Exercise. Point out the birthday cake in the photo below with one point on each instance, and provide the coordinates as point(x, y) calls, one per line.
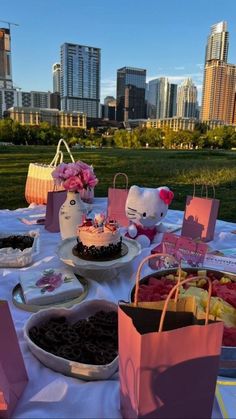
point(98, 239)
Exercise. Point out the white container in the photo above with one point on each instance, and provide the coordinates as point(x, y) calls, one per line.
point(71, 214)
point(16, 258)
point(64, 366)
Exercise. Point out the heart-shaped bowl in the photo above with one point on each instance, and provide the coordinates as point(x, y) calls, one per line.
point(62, 365)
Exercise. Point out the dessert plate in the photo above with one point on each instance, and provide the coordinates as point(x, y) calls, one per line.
point(19, 301)
point(62, 365)
point(65, 253)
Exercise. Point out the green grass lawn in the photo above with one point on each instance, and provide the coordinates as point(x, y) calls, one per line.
point(147, 167)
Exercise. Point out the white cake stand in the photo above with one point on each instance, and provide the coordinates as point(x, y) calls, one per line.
point(95, 269)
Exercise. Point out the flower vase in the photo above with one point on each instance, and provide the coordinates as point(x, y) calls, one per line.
point(87, 195)
point(71, 214)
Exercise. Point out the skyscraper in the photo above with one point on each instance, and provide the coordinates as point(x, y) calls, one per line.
point(5, 59)
point(130, 93)
point(56, 74)
point(187, 99)
point(218, 100)
point(80, 79)
point(219, 85)
point(161, 98)
point(218, 43)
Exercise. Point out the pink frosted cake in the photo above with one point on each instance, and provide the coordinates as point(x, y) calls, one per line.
point(98, 238)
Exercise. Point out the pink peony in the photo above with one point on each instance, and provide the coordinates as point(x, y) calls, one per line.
point(74, 184)
point(50, 282)
point(75, 176)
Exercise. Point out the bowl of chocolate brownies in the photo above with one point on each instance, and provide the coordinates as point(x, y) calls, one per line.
point(80, 342)
point(18, 249)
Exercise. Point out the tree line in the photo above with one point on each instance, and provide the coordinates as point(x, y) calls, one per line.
point(202, 137)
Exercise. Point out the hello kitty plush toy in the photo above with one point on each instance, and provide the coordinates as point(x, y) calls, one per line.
point(145, 208)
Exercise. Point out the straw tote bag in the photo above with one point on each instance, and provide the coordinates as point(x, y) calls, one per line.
point(39, 178)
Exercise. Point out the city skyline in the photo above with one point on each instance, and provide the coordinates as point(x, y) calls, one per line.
point(168, 40)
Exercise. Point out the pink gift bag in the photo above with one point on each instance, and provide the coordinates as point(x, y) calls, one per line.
point(116, 202)
point(13, 375)
point(169, 356)
point(200, 217)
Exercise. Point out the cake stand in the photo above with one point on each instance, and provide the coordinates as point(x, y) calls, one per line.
point(99, 270)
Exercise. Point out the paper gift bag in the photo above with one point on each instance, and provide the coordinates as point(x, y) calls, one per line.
point(13, 375)
point(200, 217)
point(116, 202)
point(168, 358)
point(54, 202)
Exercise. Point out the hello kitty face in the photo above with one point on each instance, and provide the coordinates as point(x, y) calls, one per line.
point(147, 206)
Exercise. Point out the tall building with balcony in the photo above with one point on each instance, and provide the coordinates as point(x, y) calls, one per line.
point(161, 99)
point(218, 101)
point(5, 59)
point(130, 93)
point(218, 43)
point(80, 79)
point(219, 85)
point(56, 77)
point(187, 99)
point(8, 94)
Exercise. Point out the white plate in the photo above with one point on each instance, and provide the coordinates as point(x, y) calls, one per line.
point(62, 365)
point(64, 252)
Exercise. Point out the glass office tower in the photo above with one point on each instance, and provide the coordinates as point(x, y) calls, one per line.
point(218, 43)
point(80, 79)
point(130, 94)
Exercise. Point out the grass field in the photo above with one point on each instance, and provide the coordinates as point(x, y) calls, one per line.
point(150, 167)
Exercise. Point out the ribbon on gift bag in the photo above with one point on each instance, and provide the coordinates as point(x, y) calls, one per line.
point(116, 201)
point(169, 356)
point(13, 375)
point(200, 216)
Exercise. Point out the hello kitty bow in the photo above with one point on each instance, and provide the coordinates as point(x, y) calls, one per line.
point(166, 196)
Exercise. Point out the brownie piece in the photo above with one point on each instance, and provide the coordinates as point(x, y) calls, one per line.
point(16, 242)
point(91, 341)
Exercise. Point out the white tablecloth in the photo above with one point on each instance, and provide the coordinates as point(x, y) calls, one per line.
point(53, 395)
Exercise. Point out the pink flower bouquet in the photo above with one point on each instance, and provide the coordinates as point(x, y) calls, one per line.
point(75, 176)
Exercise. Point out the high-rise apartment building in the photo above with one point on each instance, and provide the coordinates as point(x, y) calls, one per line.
point(219, 85)
point(161, 99)
point(219, 90)
point(5, 59)
point(80, 79)
point(187, 99)
point(218, 43)
point(56, 75)
point(130, 93)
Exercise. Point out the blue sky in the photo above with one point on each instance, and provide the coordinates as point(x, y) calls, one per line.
point(167, 37)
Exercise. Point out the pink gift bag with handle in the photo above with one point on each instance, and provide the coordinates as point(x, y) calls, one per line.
point(168, 356)
point(13, 375)
point(200, 216)
point(116, 201)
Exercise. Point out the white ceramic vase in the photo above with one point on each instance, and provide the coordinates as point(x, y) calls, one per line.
point(71, 214)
